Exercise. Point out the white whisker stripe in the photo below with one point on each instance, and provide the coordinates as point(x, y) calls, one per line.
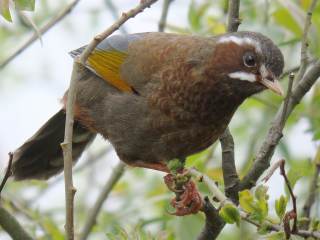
point(244, 76)
point(263, 71)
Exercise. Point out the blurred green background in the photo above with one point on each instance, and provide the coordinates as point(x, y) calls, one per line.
point(138, 206)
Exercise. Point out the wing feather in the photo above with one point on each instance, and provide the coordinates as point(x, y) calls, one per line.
point(107, 58)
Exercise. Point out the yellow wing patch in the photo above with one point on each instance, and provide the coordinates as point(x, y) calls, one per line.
point(107, 65)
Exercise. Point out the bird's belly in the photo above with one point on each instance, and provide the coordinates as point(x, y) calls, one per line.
point(161, 145)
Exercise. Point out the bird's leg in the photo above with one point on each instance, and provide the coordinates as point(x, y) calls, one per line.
point(188, 199)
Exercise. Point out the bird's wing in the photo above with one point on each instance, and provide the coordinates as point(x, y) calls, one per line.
point(107, 58)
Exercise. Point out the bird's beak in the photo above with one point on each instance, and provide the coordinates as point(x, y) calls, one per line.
point(270, 81)
point(273, 85)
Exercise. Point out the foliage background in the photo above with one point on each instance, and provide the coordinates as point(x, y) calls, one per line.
point(32, 84)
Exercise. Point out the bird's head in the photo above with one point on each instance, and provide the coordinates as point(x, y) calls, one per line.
point(251, 61)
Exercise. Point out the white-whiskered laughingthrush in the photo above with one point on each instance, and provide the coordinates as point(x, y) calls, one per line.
point(155, 97)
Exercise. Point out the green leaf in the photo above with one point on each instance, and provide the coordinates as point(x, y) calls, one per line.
point(280, 206)
point(261, 192)
point(261, 211)
point(174, 165)
point(27, 5)
point(284, 18)
point(264, 229)
point(230, 214)
point(52, 229)
point(4, 10)
point(246, 201)
point(258, 208)
point(315, 225)
point(196, 13)
point(275, 236)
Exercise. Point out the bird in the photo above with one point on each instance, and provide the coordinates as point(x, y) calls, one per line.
point(155, 97)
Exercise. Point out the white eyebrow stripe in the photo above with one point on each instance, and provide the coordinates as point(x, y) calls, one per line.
point(241, 41)
point(244, 76)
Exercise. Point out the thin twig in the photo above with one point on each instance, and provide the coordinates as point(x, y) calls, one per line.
point(215, 191)
point(303, 84)
point(12, 226)
point(314, 187)
point(42, 31)
point(17, 207)
point(296, 68)
point(213, 188)
point(304, 42)
point(114, 12)
point(233, 15)
point(164, 15)
point(230, 176)
point(93, 213)
point(76, 75)
point(124, 17)
point(271, 170)
point(262, 161)
point(90, 160)
point(286, 101)
point(293, 197)
point(8, 172)
point(66, 146)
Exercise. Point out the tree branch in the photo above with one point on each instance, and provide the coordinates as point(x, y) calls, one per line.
point(233, 15)
point(164, 14)
point(41, 31)
point(67, 153)
point(214, 223)
point(314, 187)
point(93, 213)
point(267, 148)
point(114, 12)
point(8, 172)
point(304, 43)
point(12, 226)
point(217, 194)
point(304, 81)
point(125, 17)
point(230, 176)
point(76, 75)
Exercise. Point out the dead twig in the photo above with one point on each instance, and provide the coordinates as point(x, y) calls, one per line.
point(304, 81)
point(12, 226)
point(8, 172)
point(233, 15)
point(292, 214)
point(76, 75)
point(304, 42)
point(314, 187)
point(230, 176)
point(271, 170)
point(222, 199)
point(114, 12)
point(286, 101)
point(64, 12)
point(117, 173)
point(164, 15)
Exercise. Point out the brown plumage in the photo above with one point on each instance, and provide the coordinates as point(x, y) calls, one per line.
point(185, 92)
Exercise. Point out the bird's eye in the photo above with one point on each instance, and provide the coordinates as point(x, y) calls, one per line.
point(249, 59)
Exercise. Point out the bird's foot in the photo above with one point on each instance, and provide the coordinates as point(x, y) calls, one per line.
point(188, 199)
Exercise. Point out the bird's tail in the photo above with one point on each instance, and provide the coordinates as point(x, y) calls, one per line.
point(40, 157)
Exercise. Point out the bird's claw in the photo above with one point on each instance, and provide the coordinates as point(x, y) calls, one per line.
point(188, 199)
